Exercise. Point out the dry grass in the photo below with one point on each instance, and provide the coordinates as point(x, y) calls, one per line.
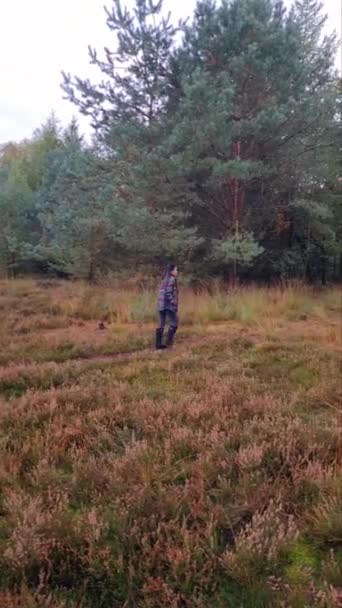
point(205, 477)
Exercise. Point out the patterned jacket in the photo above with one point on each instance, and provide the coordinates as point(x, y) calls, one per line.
point(168, 294)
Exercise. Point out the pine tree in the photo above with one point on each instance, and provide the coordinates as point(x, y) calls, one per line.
point(135, 88)
point(17, 225)
point(89, 224)
point(253, 116)
point(22, 169)
point(128, 110)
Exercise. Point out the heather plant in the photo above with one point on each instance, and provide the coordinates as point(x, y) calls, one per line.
point(207, 477)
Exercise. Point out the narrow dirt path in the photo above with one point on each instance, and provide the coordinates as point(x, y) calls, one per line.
point(181, 347)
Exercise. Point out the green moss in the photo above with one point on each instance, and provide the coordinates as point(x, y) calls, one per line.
point(304, 561)
point(303, 376)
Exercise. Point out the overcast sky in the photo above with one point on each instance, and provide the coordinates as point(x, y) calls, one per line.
point(39, 38)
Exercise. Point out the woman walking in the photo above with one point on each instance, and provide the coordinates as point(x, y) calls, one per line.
point(168, 307)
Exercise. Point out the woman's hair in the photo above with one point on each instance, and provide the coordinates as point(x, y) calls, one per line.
point(168, 269)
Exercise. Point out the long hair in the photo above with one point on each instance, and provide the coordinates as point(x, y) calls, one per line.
point(168, 269)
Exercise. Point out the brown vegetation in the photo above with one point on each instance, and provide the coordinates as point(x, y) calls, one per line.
point(205, 477)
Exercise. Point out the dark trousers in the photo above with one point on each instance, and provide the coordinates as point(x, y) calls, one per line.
point(170, 316)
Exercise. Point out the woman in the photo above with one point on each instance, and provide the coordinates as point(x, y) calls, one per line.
point(168, 307)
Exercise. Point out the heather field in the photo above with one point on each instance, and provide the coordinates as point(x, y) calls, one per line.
point(208, 476)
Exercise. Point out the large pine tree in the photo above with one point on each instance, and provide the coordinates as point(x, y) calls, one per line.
point(255, 109)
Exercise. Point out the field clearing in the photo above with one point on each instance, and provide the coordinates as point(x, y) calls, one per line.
point(209, 476)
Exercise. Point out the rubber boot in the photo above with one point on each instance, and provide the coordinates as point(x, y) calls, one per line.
point(171, 337)
point(159, 339)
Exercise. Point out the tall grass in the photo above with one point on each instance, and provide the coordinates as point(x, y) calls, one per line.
point(130, 305)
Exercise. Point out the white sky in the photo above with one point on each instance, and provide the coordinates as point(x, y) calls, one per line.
point(39, 38)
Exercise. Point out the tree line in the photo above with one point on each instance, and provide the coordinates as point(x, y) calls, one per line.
point(216, 142)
